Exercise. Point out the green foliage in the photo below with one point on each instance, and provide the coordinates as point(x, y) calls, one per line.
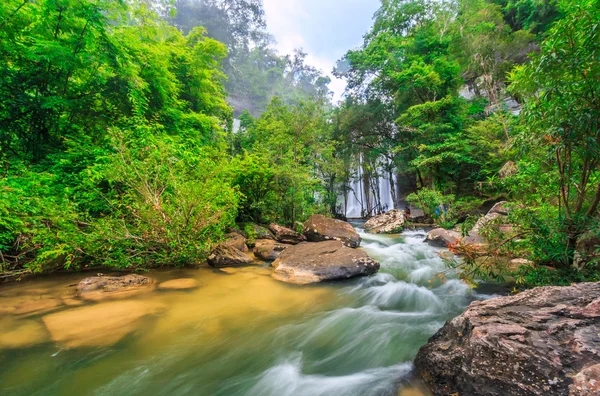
point(111, 137)
point(542, 276)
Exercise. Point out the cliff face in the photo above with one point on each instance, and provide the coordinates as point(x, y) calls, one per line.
point(539, 342)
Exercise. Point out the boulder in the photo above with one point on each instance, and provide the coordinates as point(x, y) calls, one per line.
point(103, 287)
point(268, 250)
point(498, 211)
point(236, 241)
point(542, 341)
point(391, 222)
point(319, 228)
point(441, 237)
point(586, 249)
point(98, 325)
point(503, 208)
point(224, 255)
point(322, 261)
point(285, 235)
point(179, 284)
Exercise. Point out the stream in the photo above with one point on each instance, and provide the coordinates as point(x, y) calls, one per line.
point(239, 333)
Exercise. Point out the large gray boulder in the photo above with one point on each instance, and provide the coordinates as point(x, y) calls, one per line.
point(286, 235)
point(322, 261)
point(391, 222)
point(319, 228)
point(544, 341)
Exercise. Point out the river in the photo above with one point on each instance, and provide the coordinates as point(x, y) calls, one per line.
point(239, 333)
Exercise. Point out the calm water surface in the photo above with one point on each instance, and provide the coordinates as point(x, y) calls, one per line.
point(238, 334)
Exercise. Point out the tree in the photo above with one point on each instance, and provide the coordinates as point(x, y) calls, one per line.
point(561, 87)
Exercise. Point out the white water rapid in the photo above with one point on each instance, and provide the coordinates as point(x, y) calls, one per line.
point(366, 349)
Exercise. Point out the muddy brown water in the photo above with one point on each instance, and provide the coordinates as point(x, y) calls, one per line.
point(238, 333)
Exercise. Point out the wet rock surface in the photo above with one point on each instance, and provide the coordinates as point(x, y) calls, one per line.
point(442, 238)
point(322, 261)
point(224, 255)
point(236, 241)
point(268, 250)
point(103, 287)
point(387, 223)
point(540, 342)
point(286, 235)
point(319, 228)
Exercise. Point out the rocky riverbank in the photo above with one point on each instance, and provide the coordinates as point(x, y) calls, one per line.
point(539, 342)
point(326, 250)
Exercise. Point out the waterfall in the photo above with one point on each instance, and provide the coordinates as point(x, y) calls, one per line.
point(356, 206)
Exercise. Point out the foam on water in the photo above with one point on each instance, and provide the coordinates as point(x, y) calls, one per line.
point(287, 379)
point(396, 311)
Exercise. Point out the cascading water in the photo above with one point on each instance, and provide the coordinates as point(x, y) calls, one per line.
point(367, 348)
point(244, 334)
point(356, 200)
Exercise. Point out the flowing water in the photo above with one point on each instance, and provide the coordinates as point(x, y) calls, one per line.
point(239, 333)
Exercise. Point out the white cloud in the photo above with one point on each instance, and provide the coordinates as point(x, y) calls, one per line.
point(314, 26)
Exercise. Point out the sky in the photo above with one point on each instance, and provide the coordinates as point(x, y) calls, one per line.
point(325, 29)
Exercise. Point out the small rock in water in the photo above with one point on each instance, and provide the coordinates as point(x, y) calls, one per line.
point(103, 287)
point(229, 271)
point(391, 222)
point(179, 284)
point(224, 255)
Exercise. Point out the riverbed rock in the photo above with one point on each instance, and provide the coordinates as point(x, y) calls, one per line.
point(499, 211)
point(391, 222)
point(322, 261)
point(98, 325)
point(286, 235)
point(319, 228)
point(441, 237)
point(179, 284)
point(236, 241)
point(105, 287)
point(224, 255)
point(543, 341)
point(268, 250)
